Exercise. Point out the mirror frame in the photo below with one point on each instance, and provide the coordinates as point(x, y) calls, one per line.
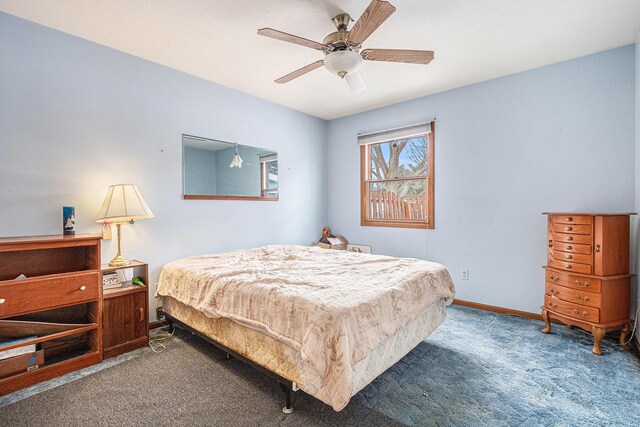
point(209, 197)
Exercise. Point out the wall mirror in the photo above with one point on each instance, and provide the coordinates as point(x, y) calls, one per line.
point(218, 170)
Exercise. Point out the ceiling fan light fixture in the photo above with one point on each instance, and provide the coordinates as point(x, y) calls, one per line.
point(342, 62)
point(356, 82)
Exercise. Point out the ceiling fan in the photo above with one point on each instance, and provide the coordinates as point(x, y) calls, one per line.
point(341, 48)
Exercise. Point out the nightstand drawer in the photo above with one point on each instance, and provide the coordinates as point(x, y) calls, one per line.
point(575, 311)
point(40, 293)
point(572, 295)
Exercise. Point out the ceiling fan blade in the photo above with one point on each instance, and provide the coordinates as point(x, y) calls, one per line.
point(356, 82)
point(376, 13)
point(300, 72)
point(286, 37)
point(398, 55)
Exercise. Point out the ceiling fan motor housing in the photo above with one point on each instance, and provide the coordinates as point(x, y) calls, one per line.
point(337, 41)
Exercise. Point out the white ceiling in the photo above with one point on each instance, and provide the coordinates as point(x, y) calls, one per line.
point(474, 40)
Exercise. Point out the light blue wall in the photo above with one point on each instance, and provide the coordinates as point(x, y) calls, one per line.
point(199, 171)
point(76, 117)
point(552, 139)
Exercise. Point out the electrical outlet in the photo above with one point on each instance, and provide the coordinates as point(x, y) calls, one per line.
point(465, 274)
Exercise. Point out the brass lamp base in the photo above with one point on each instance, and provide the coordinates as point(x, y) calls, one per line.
point(119, 261)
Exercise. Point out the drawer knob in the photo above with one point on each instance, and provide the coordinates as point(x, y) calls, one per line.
point(568, 228)
point(2, 300)
point(582, 285)
point(569, 219)
point(83, 287)
point(569, 257)
point(586, 299)
point(567, 266)
point(568, 238)
point(569, 247)
point(576, 311)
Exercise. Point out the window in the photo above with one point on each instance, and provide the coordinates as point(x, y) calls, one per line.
point(397, 177)
point(269, 176)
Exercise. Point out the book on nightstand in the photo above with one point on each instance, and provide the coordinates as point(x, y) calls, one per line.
point(110, 280)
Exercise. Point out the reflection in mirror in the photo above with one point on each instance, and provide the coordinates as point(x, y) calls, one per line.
point(221, 170)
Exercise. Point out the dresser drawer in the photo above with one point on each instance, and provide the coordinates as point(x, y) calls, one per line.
point(570, 266)
point(572, 295)
point(585, 239)
point(575, 311)
point(572, 219)
point(572, 247)
point(28, 295)
point(573, 281)
point(571, 257)
point(572, 228)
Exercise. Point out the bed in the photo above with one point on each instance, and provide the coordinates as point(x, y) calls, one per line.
point(327, 321)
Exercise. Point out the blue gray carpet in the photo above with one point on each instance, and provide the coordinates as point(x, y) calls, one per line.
point(477, 369)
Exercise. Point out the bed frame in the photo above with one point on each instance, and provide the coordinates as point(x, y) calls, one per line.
point(287, 386)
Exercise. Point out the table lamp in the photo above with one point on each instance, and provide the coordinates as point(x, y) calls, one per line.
point(123, 203)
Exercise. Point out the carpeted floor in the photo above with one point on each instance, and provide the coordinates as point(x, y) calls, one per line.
point(477, 369)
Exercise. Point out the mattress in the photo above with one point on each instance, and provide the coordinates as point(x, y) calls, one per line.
point(332, 309)
point(287, 362)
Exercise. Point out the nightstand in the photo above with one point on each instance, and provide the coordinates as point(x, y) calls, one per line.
point(125, 312)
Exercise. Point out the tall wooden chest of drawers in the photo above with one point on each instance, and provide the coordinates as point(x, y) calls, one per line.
point(587, 273)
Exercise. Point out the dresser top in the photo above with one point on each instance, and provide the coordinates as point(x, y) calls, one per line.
point(48, 239)
point(591, 213)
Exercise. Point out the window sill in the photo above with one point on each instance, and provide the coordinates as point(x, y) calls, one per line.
point(397, 224)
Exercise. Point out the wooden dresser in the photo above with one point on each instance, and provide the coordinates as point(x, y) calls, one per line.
point(587, 273)
point(57, 305)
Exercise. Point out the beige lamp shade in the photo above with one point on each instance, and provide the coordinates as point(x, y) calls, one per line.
point(123, 203)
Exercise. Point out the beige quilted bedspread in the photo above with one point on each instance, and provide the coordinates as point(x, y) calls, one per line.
point(334, 307)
